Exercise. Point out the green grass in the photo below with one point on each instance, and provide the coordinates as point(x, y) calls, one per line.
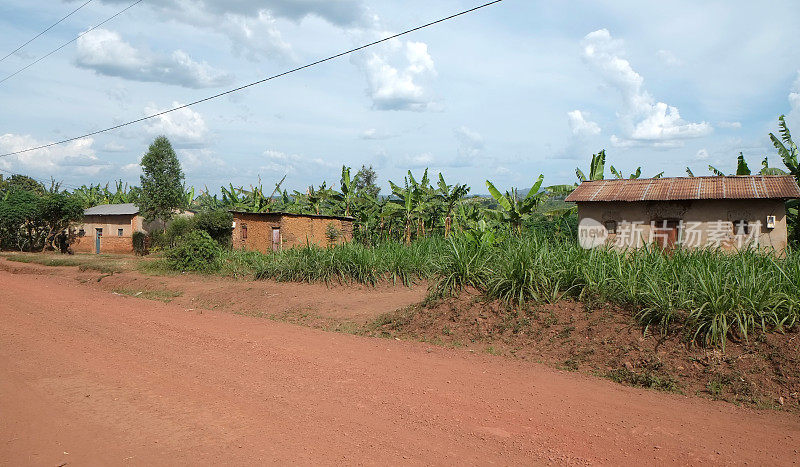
point(165, 296)
point(101, 263)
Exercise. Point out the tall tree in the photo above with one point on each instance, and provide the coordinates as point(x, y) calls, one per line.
point(366, 181)
point(162, 182)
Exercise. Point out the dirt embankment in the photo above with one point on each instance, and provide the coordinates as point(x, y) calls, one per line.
point(607, 341)
point(90, 377)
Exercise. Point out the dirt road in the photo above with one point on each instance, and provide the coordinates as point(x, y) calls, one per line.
point(87, 377)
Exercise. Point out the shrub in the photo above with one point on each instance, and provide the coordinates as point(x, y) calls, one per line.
point(139, 240)
point(195, 252)
point(177, 229)
point(158, 240)
point(217, 224)
point(332, 233)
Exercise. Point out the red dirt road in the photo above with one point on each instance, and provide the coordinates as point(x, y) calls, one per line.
point(87, 377)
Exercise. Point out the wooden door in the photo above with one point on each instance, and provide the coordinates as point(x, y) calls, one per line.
point(665, 233)
point(276, 238)
point(98, 236)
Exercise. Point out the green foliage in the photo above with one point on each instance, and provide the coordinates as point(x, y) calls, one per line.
point(139, 240)
point(177, 230)
point(21, 183)
point(512, 210)
point(332, 233)
point(365, 182)
point(93, 195)
point(741, 166)
point(162, 182)
point(196, 252)
point(217, 224)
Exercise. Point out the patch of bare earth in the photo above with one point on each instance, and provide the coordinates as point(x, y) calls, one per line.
point(607, 341)
point(88, 377)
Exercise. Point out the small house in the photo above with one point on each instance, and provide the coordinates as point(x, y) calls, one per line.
point(728, 213)
point(272, 231)
point(109, 228)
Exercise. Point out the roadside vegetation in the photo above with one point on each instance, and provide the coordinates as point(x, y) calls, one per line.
point(517, 247)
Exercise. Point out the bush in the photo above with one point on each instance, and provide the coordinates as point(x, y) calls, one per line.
point(195, 252)
point(139, 240)
point(177, 229)
point(217, 224)
point(158, 240)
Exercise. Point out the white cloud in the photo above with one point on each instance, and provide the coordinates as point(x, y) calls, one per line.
point(580, 126)
point(702, 154)
point(113, 147)
point(395, 76)
point(470, 146)
point(284, 163)
point(250, 24)
point(184, 126)
point(200, 161)
point(106, 53)
point(668, 58)
point(375, 134)
point(725, 124)
point(794, 100)
point(76, 157)
point(643, 120)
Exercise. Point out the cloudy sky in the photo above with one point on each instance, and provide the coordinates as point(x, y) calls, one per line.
point(517, 89)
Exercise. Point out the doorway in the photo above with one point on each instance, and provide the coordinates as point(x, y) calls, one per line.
point(276, 238)
point(665, 233)
point(98, 236)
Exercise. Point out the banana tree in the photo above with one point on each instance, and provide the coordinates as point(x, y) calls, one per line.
point(596, 167)
point(513, 210)
point(348, 195)
point(450, 195)
point(634, 175)
point(787, 150)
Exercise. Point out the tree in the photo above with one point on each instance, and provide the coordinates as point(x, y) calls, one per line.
point(57, 211)
point(162, 182)
point(22, 183)
point(365, 181)
point(450, 195)
point(19, 220)
point(512, 209)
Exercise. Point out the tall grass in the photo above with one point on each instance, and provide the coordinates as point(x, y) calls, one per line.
point(715, 295)
point(352, 263)
point(712, 295)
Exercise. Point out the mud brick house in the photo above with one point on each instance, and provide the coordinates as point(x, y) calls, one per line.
point(109, 228)
point(272, 231)
point(729, 213)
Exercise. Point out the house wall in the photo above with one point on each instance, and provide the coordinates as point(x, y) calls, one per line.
point(111, 241)
point(259, 231)
point(297, 230)
point(711, 216)
point(294, 231)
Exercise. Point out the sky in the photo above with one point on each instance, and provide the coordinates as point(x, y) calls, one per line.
point(505, 93)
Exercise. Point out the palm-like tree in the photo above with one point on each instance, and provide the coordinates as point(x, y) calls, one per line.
point(449, 195)
point(514, 210)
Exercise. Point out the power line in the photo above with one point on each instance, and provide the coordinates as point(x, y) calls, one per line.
point(70, 41)
point(254, 83)
point(49, 28)
point(40, 180)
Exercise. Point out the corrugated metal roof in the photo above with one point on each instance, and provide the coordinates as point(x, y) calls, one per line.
point(281, 213)
point(688, 188)
point(112, 210)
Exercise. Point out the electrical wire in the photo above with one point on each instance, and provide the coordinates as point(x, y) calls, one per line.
point(254, 83)
point(49, 28)
point(70, 41)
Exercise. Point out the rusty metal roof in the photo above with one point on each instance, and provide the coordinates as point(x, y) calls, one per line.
point(290, 214)
point(687, 188)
